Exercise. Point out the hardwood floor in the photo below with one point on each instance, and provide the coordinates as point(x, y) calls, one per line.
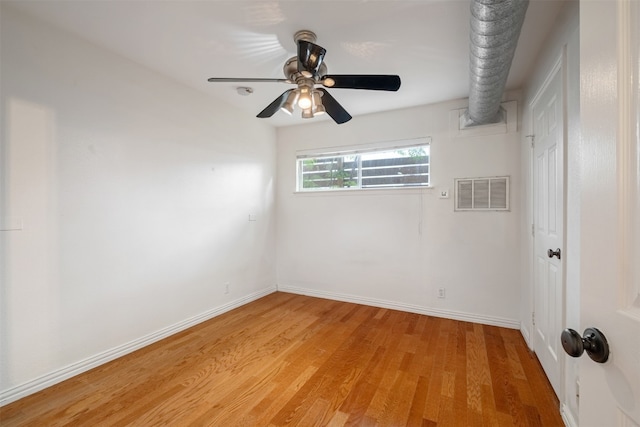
point(295, 360)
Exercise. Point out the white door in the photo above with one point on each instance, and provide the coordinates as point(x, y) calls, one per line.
point(548, 190)
point(610, 211)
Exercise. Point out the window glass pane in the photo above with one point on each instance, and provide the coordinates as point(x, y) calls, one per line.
point(329, 172)
point(397, 168)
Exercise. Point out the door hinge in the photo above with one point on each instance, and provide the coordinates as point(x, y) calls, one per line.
point(533, 230)
point(533, 318)
point(533, 138)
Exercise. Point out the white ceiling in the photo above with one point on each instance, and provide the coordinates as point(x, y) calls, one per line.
point(425, 42)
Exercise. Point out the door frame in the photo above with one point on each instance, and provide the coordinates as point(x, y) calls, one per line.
point(559, 66)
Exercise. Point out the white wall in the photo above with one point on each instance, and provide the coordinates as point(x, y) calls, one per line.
point(565, 37)
point(133, 192)
point(395, 248)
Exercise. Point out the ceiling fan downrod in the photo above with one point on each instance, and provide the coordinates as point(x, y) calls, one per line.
point(306, 35)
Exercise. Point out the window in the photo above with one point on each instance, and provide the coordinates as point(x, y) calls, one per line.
point(384, 167)
point(482, 194)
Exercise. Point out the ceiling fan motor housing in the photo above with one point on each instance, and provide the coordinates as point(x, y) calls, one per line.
point(291, 72)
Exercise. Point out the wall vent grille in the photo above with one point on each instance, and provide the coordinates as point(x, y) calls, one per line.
point(482, 194)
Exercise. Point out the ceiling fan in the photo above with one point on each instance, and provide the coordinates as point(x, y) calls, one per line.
point(308, 70)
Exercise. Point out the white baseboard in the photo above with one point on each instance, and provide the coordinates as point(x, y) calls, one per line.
point(447, 314)
point(526, 335)
point(14, 393)
point(567, 416)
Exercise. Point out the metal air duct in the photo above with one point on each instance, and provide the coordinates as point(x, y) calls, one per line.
point(495, 28)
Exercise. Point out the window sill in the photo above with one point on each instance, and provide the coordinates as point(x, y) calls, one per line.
point(367, 191)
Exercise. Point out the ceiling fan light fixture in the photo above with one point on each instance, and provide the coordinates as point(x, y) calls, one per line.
point(290, 103)
point(287, 109)
point(318, 108)
point(304, 100)
point(307, 113)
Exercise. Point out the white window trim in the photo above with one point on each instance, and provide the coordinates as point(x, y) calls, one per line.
point(360, 149)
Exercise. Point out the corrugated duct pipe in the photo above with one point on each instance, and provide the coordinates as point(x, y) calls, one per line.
point(495, 28)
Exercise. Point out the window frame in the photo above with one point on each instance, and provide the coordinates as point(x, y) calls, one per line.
point(358, 151)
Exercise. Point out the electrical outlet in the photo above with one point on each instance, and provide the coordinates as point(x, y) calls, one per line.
point(226, 288)
point(441, 293)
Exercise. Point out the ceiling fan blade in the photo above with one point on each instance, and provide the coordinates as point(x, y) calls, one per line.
point(275, 105)
point(310, 57)
point(333, 108)
point(245, 80)
point(365, 81)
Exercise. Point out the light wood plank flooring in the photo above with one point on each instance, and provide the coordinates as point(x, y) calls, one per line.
point(295, 360)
